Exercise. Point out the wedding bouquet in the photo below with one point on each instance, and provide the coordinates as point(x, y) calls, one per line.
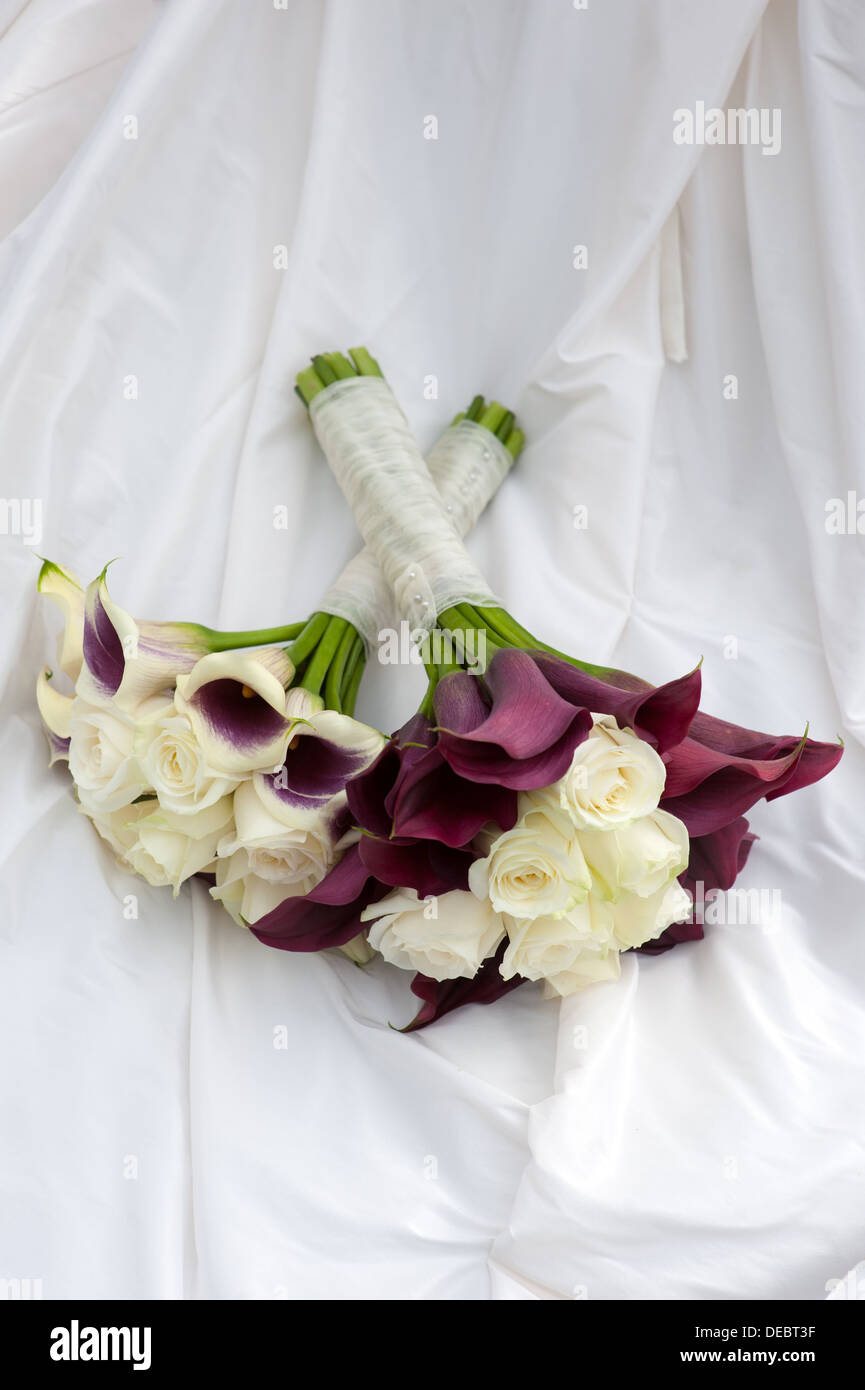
point(538, 815)
point(228, 754)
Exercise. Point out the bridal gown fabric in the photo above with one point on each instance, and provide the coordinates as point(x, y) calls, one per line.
point(196, 196)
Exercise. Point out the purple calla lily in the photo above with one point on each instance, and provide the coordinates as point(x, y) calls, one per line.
point(427, 866)
point(721, 770)
point(411, 792)
point(662, 715)
point(329, 915)
point(517, 730)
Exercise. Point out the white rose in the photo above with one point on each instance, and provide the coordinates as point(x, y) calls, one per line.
point(446, 938)
point(265, 859)
point(636, 920)
point(589, 968)
point(173, 763)
point(533, 870)
point(102, 753)
point(638, 858)
point(615, 778)
point(169, 848)
point(547, 946)
point(120, 828)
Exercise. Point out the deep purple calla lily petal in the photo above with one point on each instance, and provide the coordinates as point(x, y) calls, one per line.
point(433, 802)
point(716, 860)
point(314, 771)
point(526, 715)
point(443, 996)
point(329, 915)
point(459, 702)
point(367, 793)
point(485, 762)
point(424, 865)
point(730, 792)
point(660, 714)
point(371, 794)
point(102, 647)
point(246, 721)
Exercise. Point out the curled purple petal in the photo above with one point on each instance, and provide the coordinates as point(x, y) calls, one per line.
point(660, 714)
point(329, 915)
point(433, 802)
point(424, 865)
point(523, 737)
point(441, 997)
point(103, 649)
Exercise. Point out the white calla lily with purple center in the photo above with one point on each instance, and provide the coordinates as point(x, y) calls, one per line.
point(236, 704)
point(126, 661)
point(325, 751)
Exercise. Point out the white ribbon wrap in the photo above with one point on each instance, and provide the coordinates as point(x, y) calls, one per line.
point(411, 513)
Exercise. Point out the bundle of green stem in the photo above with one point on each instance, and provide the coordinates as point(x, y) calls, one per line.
point(494, 625)
point(328, 652)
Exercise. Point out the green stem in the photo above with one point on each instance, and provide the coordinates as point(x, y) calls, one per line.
point(316, 672)
point(352, 682)
point(336, 670)
point(426, 704)
point(257, 637)
point(313, 629)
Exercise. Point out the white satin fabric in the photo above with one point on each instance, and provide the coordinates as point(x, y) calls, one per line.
point(198, 195)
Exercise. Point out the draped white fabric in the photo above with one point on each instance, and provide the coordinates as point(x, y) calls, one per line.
point(196, 196)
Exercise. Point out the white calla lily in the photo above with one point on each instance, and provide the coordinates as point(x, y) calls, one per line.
point(325, 751)
point(62, 587)
point(126, 661)
point(236, 704)
point(56, 711)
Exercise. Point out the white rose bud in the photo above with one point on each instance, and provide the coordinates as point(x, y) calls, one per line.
point(168, 848)
point(446, 938)
point(533, 870)
point(615, 778)
point(639, 858)
point(265, 859)
point(547, 946)
point(636, 920)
